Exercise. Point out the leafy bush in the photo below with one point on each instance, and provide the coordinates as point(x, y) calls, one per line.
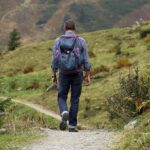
point(133, 92)
point(14, 40)
point(145, 31)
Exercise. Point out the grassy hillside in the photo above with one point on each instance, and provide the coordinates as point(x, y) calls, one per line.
point(26, 73)
point(21, 124)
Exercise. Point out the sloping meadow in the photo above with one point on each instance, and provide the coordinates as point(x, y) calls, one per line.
point(26, 72)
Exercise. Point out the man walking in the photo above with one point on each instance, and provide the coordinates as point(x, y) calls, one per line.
point(70, 58)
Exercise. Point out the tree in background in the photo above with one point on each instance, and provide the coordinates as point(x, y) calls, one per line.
point(14, 40)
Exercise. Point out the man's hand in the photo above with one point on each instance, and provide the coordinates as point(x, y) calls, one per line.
point(54, 79)
point(53, 86)
point(87, 78)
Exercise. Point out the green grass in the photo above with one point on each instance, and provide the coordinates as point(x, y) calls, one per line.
point(22, 124)
point(14, 141)
point(138, 138)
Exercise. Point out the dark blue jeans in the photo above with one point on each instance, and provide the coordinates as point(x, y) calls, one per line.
point(65, 83)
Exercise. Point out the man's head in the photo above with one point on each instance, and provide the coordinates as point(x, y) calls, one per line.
point(69, 25)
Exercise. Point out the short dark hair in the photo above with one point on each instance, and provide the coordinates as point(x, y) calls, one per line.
point(69, 25)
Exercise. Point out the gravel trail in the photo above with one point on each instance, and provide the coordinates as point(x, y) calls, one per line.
point(83, 140)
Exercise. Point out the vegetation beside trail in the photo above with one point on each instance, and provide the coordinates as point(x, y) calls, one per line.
point(25, 73)
point(138, 138)
point(20, 124)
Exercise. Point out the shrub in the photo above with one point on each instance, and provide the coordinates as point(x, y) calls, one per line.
point(14, 40)
point(145, 31)
point(123, 62)
point(131, 98)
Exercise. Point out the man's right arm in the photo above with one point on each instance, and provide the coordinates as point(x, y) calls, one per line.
point(54, 63)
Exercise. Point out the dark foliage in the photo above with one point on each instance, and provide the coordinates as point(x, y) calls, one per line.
point(14, 40)
point(144, 32)
point(133, 92)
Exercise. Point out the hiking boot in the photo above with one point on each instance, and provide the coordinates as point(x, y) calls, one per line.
point(73, 130)
point(63, 123)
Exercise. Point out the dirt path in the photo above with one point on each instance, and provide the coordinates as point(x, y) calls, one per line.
point(83, 140)
point(36, 107)
point(63, 140)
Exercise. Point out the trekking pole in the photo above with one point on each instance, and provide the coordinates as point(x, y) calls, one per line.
point(53, 86)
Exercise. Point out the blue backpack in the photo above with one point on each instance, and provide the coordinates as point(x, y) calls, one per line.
point(69, 55)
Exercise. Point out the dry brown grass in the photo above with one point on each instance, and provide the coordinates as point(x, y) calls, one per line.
point(99, 69)
point(147, 39)
point(28, 69)
point(91, 54)
point(123, 62)
point(34, 85)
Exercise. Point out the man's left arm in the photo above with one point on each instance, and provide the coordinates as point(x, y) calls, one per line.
point(87, 65)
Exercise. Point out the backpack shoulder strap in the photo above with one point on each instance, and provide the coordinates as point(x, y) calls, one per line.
point(81, 46)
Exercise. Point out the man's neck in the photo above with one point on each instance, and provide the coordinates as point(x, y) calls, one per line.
point(69, 31)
